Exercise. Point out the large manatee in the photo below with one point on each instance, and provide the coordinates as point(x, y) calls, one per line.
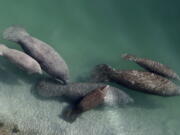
point(50, 61)
point(74, 91)
point(139, 80)
point(152, 66)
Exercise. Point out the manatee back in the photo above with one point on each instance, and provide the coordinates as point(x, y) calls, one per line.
point(115, 96)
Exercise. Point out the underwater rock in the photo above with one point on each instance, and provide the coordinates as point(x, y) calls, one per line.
point(152, 66)
point(20, 59)
point(1, 124)
point(139, 80)
point(9, 129)
point(75, 91)
point(50, 61)
point(91, 100)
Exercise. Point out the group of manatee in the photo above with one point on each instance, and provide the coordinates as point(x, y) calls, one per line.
point(38, 56)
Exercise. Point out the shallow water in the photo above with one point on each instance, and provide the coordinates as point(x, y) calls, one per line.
point(87, 33)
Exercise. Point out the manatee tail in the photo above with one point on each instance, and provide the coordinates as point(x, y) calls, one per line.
point(3, 48)
point(129, 57)
point(14, 33)
point(101, 73)
point(70, 114)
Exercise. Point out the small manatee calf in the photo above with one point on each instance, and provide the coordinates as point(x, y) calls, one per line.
point(152, 66)
point(139, 80)
point(91, 100)
point(50, 61)
point(20, 59)
point(75, 91)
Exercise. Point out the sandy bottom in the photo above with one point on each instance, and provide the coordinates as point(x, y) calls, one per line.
point(41, 117)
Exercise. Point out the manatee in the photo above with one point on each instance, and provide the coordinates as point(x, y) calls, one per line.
point(20, 59)
point(152, 66)
point(50, 61)
point(91, 100)
point(138, 80)
point(73, 92)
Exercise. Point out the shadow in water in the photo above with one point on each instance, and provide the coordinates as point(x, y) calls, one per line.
point(8, 77)
point(70, 113)
point(66, 114)
point(11, 74)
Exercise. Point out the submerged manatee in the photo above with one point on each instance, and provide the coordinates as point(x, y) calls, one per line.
point(139, 80)
point(152, 66)
point(75, 91)
point(91, 100)
point(50, 61)
point(20, 59)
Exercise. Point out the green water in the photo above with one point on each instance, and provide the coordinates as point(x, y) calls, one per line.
point(86, 33)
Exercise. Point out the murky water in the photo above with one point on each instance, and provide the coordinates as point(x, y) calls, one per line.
point(87, 33)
